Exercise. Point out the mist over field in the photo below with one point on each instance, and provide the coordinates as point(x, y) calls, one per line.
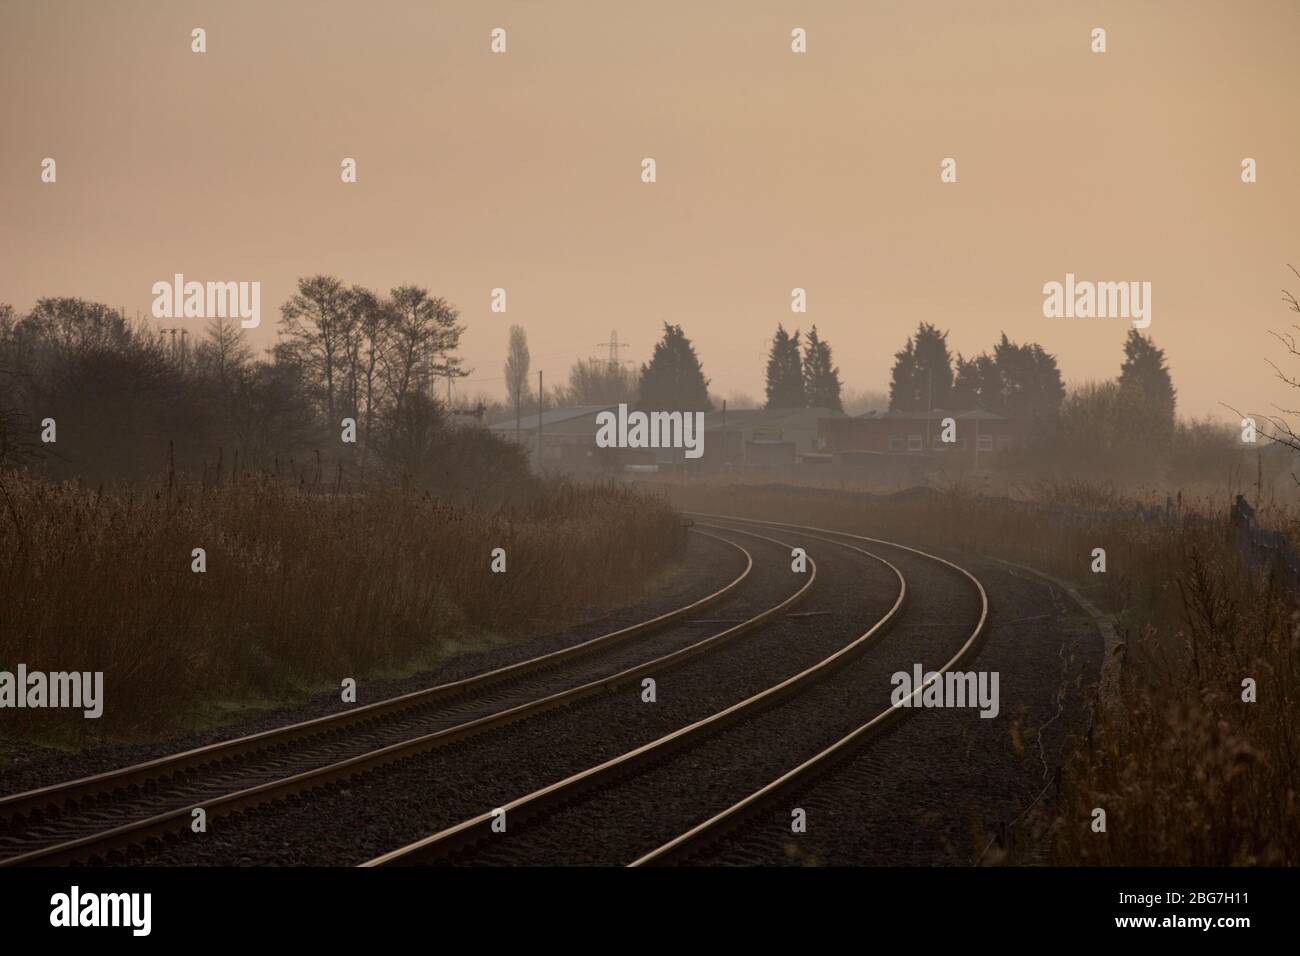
point(707, 435)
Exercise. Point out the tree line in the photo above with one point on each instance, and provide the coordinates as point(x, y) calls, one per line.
point(352, 381)
point(1020, 381)
point(127, 398)
point(802, 379)
point(798, 376)
point(1023, 382)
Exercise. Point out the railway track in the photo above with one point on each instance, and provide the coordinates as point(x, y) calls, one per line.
point(461, 841)
point(89, 818)
point(107, 816)
point(715, 828)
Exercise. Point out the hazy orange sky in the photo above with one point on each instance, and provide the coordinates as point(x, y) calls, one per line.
point(775, 170)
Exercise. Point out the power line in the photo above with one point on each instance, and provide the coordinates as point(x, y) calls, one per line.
point(614, 345)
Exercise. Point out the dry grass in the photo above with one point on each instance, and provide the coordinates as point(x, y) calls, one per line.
point(1187, 772)
point(301, 589)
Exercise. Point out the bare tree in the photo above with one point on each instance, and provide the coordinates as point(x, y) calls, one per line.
point(423, 335)
point(76, 325)
point(369, 332)
point(224, 351)
point(518, 360)
point(1282, 431)
point(599, 382)
point(315, 324)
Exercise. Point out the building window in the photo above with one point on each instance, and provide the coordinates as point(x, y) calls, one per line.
point(986, 443)
point(895, 442)
point(916, 443)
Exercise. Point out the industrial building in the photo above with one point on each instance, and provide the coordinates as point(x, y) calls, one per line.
point(733, 438)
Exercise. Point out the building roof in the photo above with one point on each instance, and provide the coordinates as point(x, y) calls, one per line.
point(735, 417)
point(746, 417)
point(554, 417)
point(934, 414)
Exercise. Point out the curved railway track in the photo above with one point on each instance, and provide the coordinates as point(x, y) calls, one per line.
point(477, 831)
point(100, 817)
point(85, 819)
point(716, 827)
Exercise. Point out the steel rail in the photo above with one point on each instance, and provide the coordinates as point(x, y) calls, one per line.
point(711, 829)
point(175, 821)
point(477, 828)
point(25, 803)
